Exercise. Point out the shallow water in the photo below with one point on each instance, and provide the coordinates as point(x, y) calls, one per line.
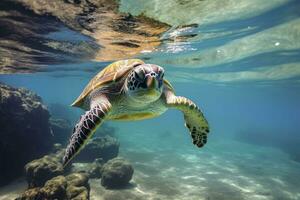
point(240, 62)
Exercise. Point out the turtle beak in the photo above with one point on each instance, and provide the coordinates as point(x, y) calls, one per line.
point(151, 82)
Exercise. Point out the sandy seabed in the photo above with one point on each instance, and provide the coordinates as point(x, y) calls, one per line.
point(225, 170)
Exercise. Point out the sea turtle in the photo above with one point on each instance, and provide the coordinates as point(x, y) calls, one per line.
point(131, 90)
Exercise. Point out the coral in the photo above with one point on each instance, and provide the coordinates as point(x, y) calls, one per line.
point(24, 130)
point(116, 173)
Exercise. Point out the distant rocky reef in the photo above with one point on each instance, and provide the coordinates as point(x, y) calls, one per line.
point(105, 147)
point(63, 111)
point(289, 145)
point(105, 33)
point(24, 130)
point(61, 129)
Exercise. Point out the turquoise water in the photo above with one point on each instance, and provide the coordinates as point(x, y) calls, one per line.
point(240, 62)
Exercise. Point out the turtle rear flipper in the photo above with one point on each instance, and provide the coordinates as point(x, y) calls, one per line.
point(85, 128)
point(194, 118)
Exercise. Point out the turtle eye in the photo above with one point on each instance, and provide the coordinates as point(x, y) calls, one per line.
point(139, 76)
point(161, 75)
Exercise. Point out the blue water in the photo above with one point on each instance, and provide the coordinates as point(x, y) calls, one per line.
point(244, 73)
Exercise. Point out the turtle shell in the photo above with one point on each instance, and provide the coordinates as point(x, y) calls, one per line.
point(112, 73)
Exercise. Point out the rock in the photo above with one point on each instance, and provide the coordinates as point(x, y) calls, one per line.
point(78, 193)
point(58, 153)
point(78, 186)
point(57, 147)
point(40, 170)
point(31, 194)
point(78, 179)
point(61, 129)
point(105, 147)
point(116, 173)
point(92, 169)
point(24, 130)
point(55, 188)
point(73, 186)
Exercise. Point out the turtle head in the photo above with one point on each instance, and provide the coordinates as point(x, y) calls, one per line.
point(145, 82)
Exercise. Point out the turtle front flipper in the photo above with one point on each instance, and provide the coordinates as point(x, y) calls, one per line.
point(85, 128)
point(194, 118)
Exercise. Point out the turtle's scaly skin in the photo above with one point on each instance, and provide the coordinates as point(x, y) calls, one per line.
point(131, 90)
point(85, 128)
point(194, 119)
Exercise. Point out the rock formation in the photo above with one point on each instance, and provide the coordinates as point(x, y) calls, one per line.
point(93, 169)
point(73, 186)
point(40, 170)
point(116, 173)
point(24, 130)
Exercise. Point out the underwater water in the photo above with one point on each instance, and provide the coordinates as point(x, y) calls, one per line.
point(239, 62)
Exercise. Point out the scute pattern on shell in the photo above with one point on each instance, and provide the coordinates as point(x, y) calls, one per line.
point(111, 73)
